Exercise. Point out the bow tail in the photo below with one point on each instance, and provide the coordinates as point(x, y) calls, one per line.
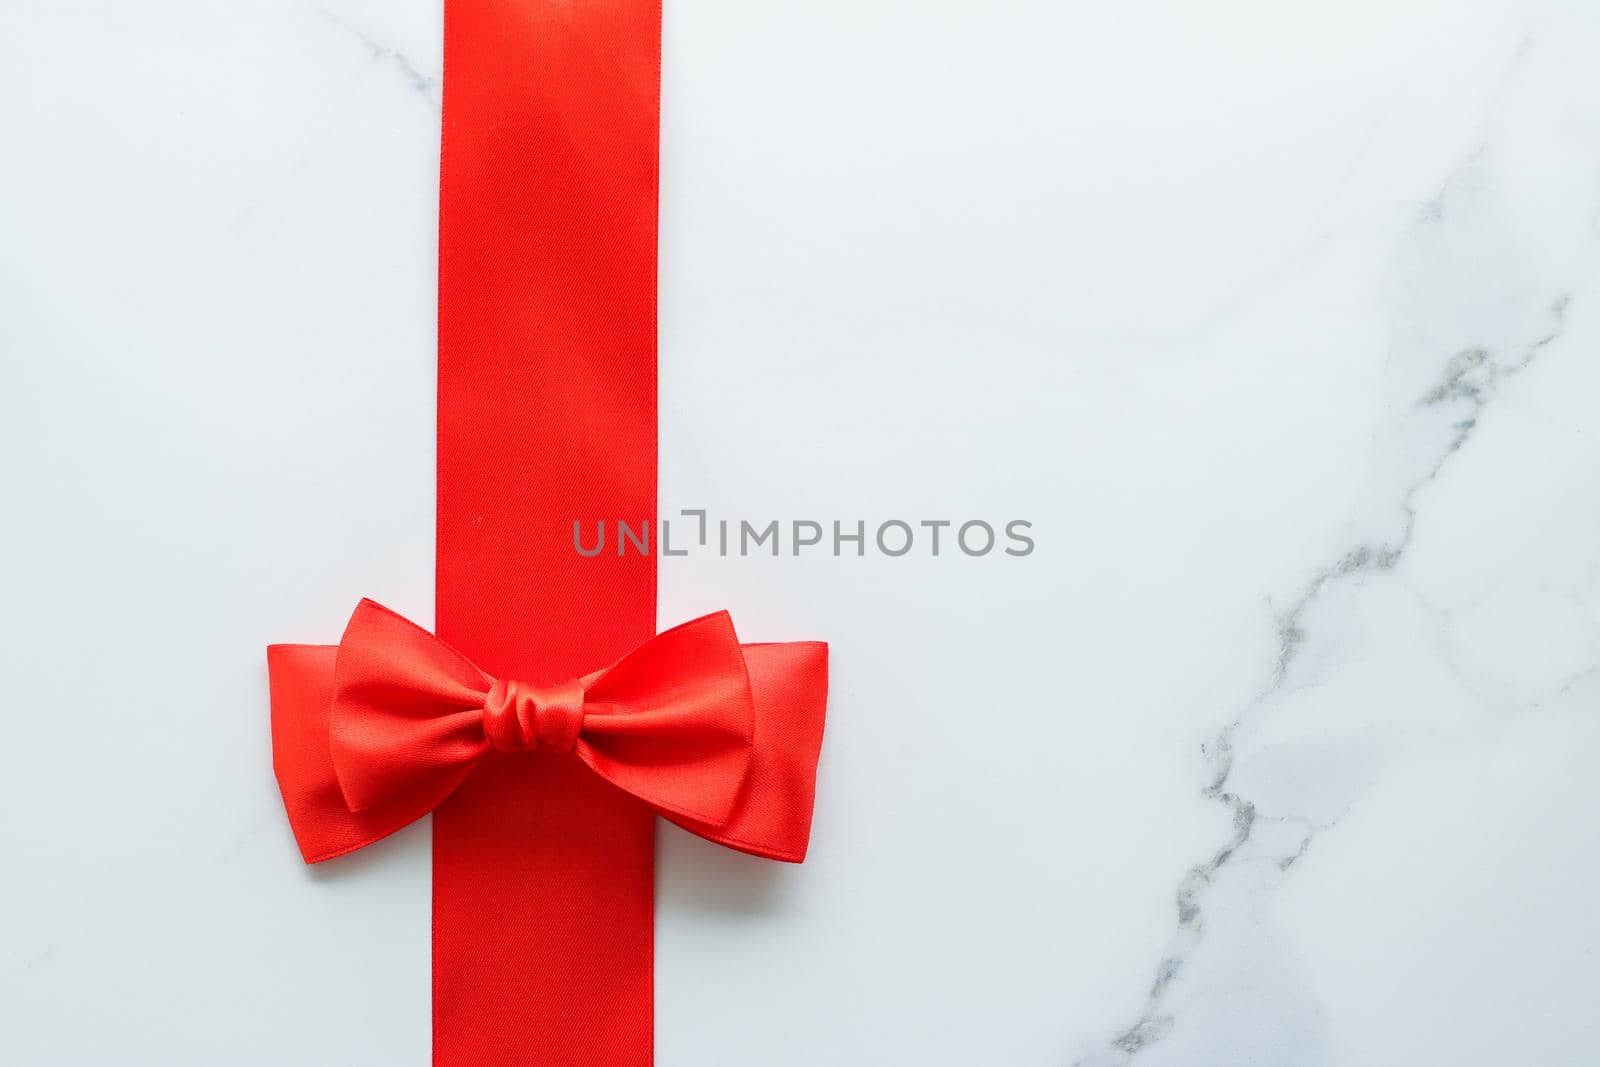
point(772, 815)
point(301, 679)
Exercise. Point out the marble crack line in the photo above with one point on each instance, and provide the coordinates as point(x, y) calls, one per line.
point(1471, 376)
point(428, 85)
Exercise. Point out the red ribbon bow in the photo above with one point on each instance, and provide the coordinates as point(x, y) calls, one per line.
point(719, 737)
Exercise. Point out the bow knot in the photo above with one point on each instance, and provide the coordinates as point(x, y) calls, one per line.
point(518, 717)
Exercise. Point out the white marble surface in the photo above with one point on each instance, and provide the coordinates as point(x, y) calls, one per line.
point(1279, 321)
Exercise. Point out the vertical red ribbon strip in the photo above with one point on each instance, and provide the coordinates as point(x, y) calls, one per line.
point(543, 882)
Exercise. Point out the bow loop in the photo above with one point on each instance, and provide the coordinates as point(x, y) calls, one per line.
point(518, 717)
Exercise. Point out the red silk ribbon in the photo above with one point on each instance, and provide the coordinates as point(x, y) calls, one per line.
point(547, 413)
point(719, 737)
point(544, 796)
